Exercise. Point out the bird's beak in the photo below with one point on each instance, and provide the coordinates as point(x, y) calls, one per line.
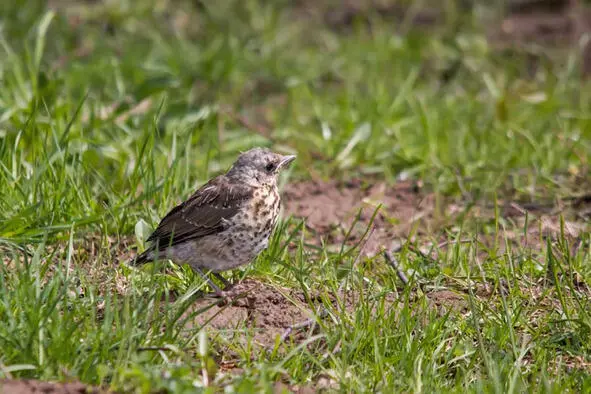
point(285, 161)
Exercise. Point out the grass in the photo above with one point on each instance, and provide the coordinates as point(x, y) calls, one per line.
point(111, 113)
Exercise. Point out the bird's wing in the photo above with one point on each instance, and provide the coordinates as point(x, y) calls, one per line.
point(204, 213)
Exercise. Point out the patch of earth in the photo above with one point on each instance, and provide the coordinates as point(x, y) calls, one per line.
point(331, 209)
point(265, 310)
point(17, 386)
point(528, 229)
point(542, 22)
point(553, 24)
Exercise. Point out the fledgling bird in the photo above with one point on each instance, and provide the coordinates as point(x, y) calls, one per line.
point(227, 222)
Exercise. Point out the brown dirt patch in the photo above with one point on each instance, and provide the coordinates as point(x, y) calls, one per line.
point(550, 28)
point(553, 24)
point(330, 209)
point(15, 386)
point(265, 310)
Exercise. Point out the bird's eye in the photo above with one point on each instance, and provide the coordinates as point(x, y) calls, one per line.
point(270, 167)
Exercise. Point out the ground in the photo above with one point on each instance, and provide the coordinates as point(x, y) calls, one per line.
point(435, 226)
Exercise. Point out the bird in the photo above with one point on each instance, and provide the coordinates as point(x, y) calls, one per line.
point(226, 223)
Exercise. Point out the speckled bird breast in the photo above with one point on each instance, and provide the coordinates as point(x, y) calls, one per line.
point(249, 230)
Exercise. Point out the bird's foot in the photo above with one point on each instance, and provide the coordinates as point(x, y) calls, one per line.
point(226, 297)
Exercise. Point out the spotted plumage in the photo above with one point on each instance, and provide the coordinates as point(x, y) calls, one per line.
point(227, 222)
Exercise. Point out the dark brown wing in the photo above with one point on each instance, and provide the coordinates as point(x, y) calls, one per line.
point(202, 214)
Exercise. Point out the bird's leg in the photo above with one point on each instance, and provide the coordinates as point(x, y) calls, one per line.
point(215, 288)
point(223, 280)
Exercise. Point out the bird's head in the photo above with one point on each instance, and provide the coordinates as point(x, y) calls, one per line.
point(259, 166)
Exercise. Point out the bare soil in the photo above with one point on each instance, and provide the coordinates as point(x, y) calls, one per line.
point(550, 25)
point(338, 214)
point(330, 210)
point(263, 310)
